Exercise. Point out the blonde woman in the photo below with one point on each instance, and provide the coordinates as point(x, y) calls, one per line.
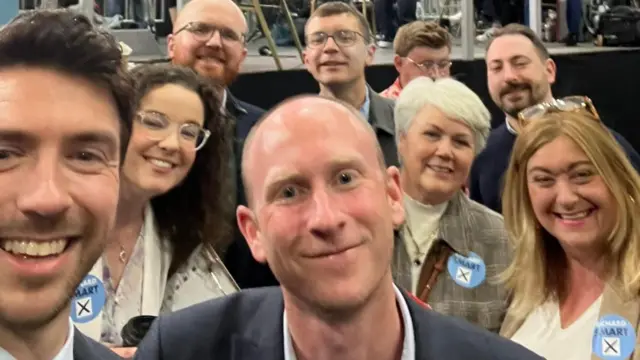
point(570, 206)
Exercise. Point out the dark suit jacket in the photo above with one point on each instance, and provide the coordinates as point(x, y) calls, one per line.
point(238, 259)
point(85, 348)
point(248, 326)
point(381, 118)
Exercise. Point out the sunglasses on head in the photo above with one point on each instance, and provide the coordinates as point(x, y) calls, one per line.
point(566, 104)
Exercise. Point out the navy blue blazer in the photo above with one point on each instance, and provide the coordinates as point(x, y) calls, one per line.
point(238, 259)
point(85, 348)
point(248, 326)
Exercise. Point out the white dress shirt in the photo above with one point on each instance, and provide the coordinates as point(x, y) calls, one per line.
point(66, 353)
point(408, 344)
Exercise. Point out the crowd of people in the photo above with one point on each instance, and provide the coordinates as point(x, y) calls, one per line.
point(349, 224)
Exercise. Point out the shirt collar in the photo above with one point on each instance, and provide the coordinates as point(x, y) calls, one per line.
point(364, 110)
point(224, 100)
point(509, 127)
point(408, 344)
point(66, 353)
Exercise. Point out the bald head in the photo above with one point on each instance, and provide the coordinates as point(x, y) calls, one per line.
point(195, 9)
point(302, 120)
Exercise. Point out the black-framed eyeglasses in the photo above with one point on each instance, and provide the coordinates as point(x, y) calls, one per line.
point(430, 66)
point(204, 32)
point(566, 104)
point(158, 126)
point(341, 37)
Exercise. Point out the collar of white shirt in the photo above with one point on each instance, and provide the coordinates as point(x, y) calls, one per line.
point(66, 353)
point(408, 344)
point(509, 127)
point(223, 103)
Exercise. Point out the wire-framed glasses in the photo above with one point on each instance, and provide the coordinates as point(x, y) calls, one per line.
point(203, 32)
point(429, 66)
point(341, 38)
point(158, 126)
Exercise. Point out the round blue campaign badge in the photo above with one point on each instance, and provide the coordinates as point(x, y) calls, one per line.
point(88, 300)
point(468, 272)
point(613, 338)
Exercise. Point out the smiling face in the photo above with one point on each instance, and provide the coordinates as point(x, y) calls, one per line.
point(423, 61)
point(333, 64)
point(158, 160)
point(323, 209)
point(436, 154)
point(518, 77)
point(59, 175)
point(219, 56)
point(568, 196)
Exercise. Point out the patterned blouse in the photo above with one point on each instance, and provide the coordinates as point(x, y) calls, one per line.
point(124, 302)
point(393, 91)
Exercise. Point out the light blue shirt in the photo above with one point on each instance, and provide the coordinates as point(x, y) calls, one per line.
point(364, 110)
point(408, 344)
point(66, 353)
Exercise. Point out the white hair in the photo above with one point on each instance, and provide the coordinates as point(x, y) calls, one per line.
point(448, 95)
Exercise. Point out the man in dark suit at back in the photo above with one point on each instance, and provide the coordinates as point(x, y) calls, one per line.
point(520, 73)
point(65, 122)
point(209, 36)
point(322, 212)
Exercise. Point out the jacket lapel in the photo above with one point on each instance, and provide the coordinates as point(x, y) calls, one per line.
point(401, 264)
point(450, 229)
point(86, 349)
point(613, 303)
point(263, 338)
point(157, 259)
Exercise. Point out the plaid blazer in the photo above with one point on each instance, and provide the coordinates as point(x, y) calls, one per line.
point(467, 227)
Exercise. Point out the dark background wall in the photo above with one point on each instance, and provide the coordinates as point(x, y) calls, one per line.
point(610, 79)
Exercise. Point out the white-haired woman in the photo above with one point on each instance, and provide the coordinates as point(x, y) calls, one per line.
point(450, 246)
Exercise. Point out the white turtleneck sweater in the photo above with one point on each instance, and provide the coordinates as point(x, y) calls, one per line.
point(422, 222)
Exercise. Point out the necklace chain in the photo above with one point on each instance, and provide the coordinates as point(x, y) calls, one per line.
point(420, 253)
point(122, 255)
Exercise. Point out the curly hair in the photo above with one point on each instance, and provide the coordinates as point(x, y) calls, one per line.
point(198, 210)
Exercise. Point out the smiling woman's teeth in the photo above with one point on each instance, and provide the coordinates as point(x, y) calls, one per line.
point(575, 216)
point(34, 248)
point(440, 169)
point(161, 163)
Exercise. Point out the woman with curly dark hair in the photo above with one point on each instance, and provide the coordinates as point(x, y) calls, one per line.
point(175, 211)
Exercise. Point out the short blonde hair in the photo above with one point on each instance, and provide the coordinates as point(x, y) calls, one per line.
point(538, 269)
point(450, 96)
point(420, 33)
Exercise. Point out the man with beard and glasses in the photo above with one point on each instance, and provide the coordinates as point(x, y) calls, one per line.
point(65, 120)
point(519, 73)
point(209, 36)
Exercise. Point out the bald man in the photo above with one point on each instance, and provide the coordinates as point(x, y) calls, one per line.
point(323, 209)
point(209, 36)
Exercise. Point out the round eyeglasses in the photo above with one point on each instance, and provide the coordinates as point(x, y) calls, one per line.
point(341, 38)
point(158, 126)
point(203, 32)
